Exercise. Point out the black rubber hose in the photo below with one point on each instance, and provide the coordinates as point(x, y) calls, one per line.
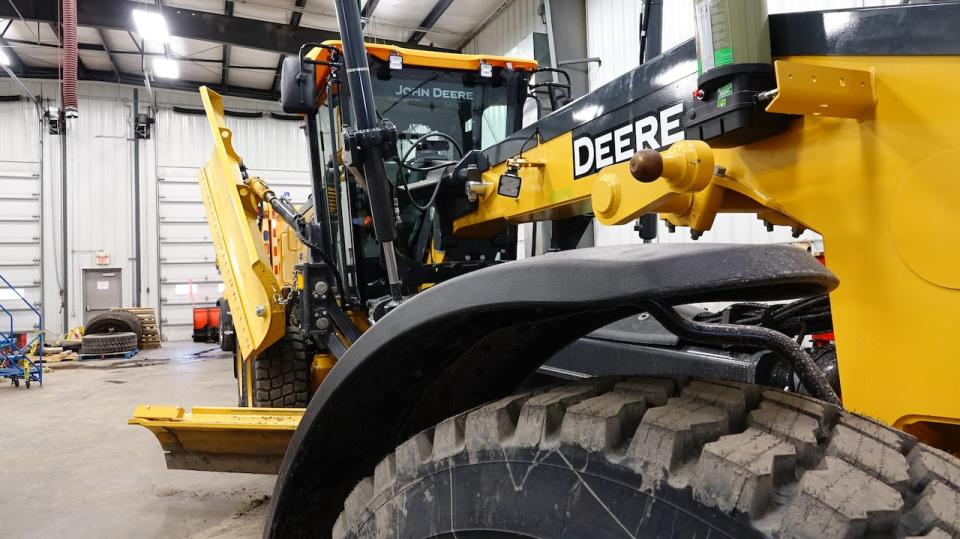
point(403, 160)
point(403, 164)
point(812, 378)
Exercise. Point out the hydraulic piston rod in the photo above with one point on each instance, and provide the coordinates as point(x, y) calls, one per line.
point(366, 146)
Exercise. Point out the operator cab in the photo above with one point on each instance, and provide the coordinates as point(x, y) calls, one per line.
point(444, 107)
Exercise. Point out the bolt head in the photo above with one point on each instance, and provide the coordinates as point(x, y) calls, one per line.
point(261, 311)
point(323, 323)
point(321, 287)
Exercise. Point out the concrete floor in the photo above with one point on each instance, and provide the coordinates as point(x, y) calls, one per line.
point(74, 468)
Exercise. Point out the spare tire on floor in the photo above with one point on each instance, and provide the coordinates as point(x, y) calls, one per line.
point(115, 321)
point(108, 343)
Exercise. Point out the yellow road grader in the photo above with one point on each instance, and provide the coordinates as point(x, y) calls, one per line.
point(419, 381)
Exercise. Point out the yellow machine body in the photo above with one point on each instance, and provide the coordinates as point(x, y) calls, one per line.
point(231, 208)
point(871, 166)
point(420, 58)
point(256, 271)
point(250, 440)
point(284, 248)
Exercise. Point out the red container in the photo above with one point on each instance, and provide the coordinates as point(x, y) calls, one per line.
point(200, 318)
point(206, 324)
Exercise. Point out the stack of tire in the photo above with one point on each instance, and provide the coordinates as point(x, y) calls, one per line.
point(112, 332)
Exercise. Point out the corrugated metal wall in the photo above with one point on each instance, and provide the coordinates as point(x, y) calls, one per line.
point(20, 220)
point(503, 33)
point(100, 184)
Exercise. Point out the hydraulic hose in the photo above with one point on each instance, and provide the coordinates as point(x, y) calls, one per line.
point(803, 365)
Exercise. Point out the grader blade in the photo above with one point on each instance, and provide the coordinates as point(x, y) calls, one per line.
point(244, 440)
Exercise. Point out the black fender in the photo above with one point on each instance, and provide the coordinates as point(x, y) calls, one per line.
point(475, 338)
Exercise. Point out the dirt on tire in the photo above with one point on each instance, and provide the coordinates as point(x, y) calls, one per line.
point(281, 375)
point(606, 456)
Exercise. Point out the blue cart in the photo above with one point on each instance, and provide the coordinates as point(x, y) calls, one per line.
point(15, 364)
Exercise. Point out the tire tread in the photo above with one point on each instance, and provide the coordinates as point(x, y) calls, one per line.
point(791, 465)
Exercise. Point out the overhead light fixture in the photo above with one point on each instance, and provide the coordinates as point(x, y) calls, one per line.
point(166, 68)
point(151, 26)
point(4, 59)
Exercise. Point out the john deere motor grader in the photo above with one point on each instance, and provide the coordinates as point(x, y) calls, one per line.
point(836, 121)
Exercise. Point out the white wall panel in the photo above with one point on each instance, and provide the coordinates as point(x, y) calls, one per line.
point(507, 29)
point(100, 183)
point(99, 194)
point(20, 219)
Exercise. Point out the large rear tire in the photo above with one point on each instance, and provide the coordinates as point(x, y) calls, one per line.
point(657, 457)
point(281, 375)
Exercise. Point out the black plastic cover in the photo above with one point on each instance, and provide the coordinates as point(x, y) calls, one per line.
point(298, 87)
point(475, 338)
point(729, 114)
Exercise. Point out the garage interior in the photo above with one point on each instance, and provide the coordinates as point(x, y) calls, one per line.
point(691, 261)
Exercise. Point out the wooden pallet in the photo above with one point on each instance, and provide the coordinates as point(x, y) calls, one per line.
point(116, 355)
point(151, 331)
point(67, 355)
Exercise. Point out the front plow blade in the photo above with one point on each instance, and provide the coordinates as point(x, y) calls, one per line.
point(247, 440)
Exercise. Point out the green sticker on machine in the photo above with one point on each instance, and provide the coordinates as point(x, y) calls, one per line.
point(722, 57)
point(723, 93)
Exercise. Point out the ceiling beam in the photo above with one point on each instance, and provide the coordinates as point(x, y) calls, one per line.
point(45, 73)
point(295, 17)
point(225, 64)
point(186, 23)
point(297, 13)
point(57, 30)
point(100, 48)
point(134, 40)
point(368, 8)
point(15, 60)
point(113, 62)
point(438, 9)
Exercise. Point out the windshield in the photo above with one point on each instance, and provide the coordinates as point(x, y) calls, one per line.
point(477, 112)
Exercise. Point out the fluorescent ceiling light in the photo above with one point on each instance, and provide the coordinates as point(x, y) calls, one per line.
point(166, 68)
point(4, 59)
point(151, 26)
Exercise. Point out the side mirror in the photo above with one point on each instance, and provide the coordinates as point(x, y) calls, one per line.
point(298, 86)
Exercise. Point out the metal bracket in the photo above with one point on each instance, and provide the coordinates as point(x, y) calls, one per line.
point(823, 90)
point(356, 141)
